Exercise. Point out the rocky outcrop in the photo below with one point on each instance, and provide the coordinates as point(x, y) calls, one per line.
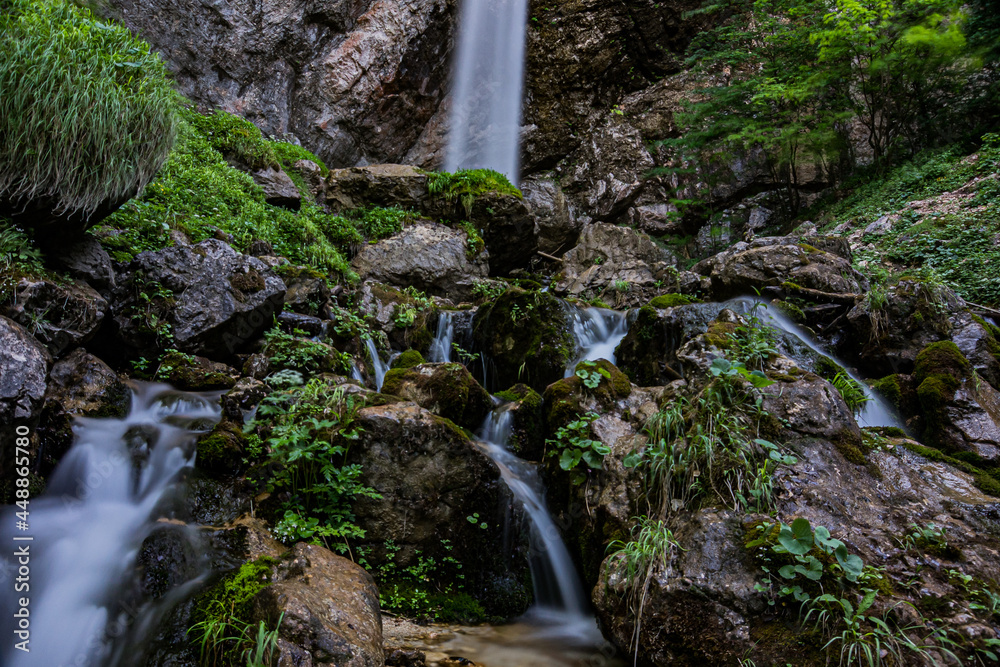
point(62, 315)
point(448, 390)
point(209, 298)
point(24, 364)
point(432, 257)
point(431, 477)
point(354, 80)
point(278, 187)
point(527, 337)
point(816, 263)
point(556, 226)
point(328, 607)
point(611, 260)
point(86, 259)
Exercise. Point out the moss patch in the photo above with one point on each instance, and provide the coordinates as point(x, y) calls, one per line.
point(986, 481)
point(221, 450)
point(671, 300)
point(408, 359)
point(891, 389)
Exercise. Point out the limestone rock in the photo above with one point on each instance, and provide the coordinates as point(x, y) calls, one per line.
point(278, 187)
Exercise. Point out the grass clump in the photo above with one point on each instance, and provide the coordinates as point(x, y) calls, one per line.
point(464, 185)
point(87, 113)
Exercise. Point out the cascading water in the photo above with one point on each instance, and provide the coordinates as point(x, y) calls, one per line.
point(560, 602)
point(88, 526)
point(597, 331)
point(380, 367)
point(488, 81)
point(441, 346)
point(876, 411)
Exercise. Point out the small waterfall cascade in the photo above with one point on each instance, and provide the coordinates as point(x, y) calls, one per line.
point(876, 411)
point(441, 346)
point(88, 526)
point(487, 87)
point(380, 367)
point(560, 602)
point(597, 331)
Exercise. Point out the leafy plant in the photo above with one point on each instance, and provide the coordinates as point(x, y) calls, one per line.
point(591, 374)
point(851, 391)
point(88, 113)
point(573, 445)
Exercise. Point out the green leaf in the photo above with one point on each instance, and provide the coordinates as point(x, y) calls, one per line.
point(569, 458)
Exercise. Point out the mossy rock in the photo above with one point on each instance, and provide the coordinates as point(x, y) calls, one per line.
point(891, 389)
point(221, 450)
point(941, 358)
point(447, 390)
point(527, 437)
point(563, 400)
point(191, 373)
point(939, 371)
point(671, 300)
point(408, 359)
point(527, 336)
point(789, 309)
point(418, 335)
point(231, 598)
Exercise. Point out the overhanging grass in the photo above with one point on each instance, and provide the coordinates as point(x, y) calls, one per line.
point(87, 114)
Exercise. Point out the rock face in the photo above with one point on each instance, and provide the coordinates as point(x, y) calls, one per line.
point(447, 390)
point(817, 263)
point(431, 477)
point(215, 300)
point(432, 257)
point(556, 226)
point(354, 80)
point(527, 337)
point(328, 607)
point(609, 257)
point(62, 315)
point(24, 363)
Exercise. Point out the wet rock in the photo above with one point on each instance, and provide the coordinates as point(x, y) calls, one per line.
point(192, 373)
point(527, 337)
point(306, 291)
point(79, 385)
point(609, 260)
point(770, 262)
point(278, 187)
point(355, 80)
point(432, 257)
point(431, 477)
point(61, 315)
point(405, 319)
point(328, 607)
point(24, 364)
point(555, 225)
point(448, 390)
point(215, 300)
point(527, 432)
point(296, 323)
point(166, 559)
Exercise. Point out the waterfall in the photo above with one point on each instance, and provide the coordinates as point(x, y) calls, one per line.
point(380, 367)
point(488, 79)
point(876, 411)
point(445, 334)
point(560, 601)
point(597, 331)
point(90, 523)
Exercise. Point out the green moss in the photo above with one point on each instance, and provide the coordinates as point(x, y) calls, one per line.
point(809, 249)
point(185, 372)
point(231, 599)
point(891, 389)
point(720, 334)
point(850, 445)
point(466, 184)
point(941, 358)
point(527, 438)
point(828, 369)
point(671, 300)
point(791, 310)
point(236, 138)
point(986, 481)
point(408, 359)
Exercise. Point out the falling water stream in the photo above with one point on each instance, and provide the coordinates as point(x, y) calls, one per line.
point(441, 346)
point(488, 79)
point(88, 526)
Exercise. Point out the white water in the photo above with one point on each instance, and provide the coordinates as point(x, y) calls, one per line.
point(90, 523)
point(380, 367)
point(445, 334)
point(561, 608)
point(876, 411)
point(488, 80)
point(597, 331)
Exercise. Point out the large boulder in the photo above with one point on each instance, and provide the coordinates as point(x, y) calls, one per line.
point(328, 608)
point(62, 315)
point(86, 259)
point(556, 226)
point(24, 364)
point(609, 259)
point(429, 256)
point(816, 263)
point(431, 479)
point(447, 390)
point(215, 300)
point(527, 337)
point(354, 80)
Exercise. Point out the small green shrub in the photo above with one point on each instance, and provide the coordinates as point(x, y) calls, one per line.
point(574, 445)
point(87, 114)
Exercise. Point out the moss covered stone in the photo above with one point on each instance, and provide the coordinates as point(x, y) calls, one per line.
point(940, 370)
point(221, 450)
point(527, 337)
point(408, 359)
point(230, 600)
point(194, 373)
point(941, 358)
point(447, 390)
point(671, 300)
point(564, 400)
point(527, 437)
point(891, 389)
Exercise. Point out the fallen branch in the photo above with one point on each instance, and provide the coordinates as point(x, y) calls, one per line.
point(548, 256)
point(817, 295)
point(993, 312)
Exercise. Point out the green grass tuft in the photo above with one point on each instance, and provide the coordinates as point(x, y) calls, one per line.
point(87, 113)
